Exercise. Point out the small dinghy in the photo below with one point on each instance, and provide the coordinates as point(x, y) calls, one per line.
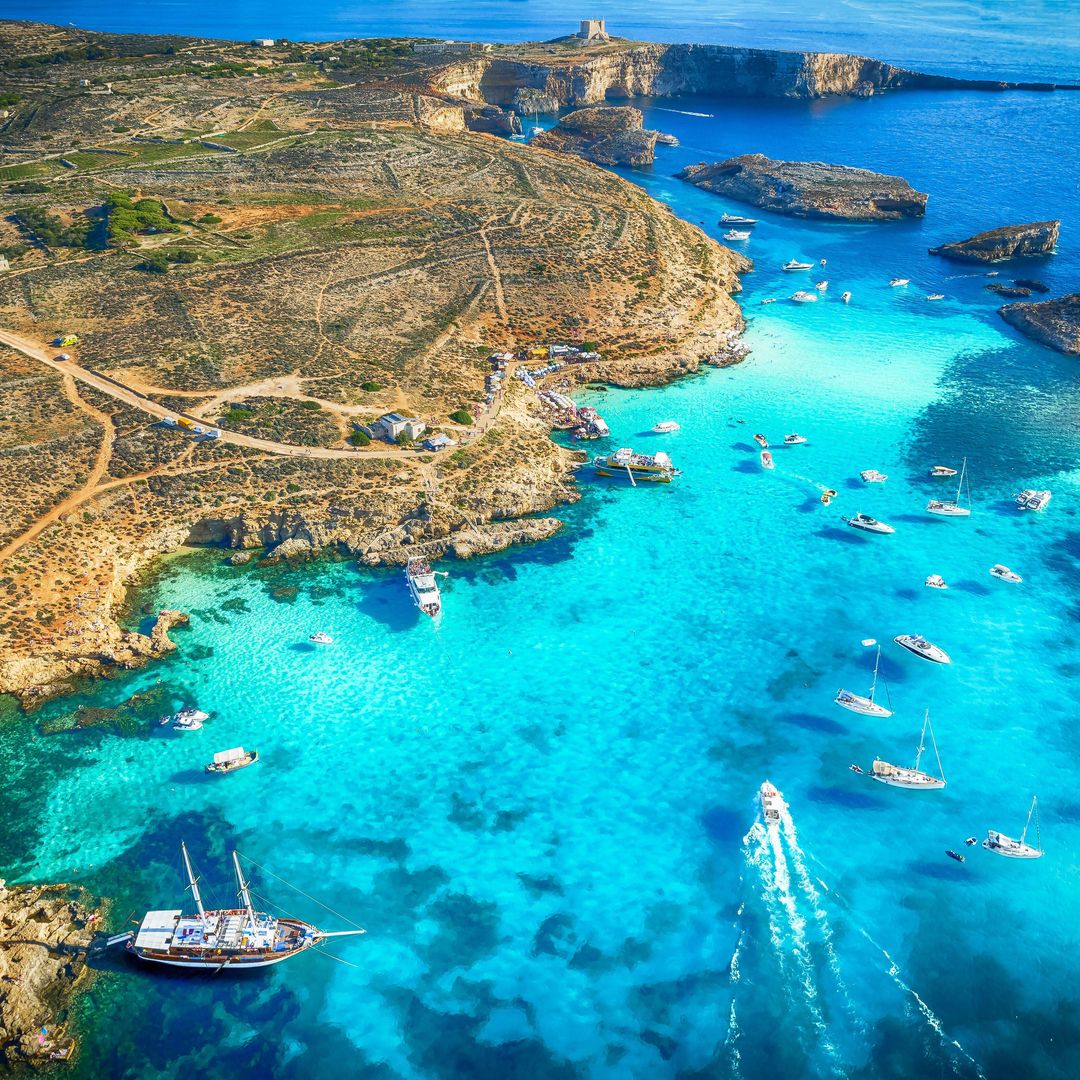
point(1000, 844)
point(794, 264)
point(231, 760)
point(942, 470)
point(321, 638)
point(766, 460)
point(868, 524)
point(935, 581)
point(896, 282)
point(665, 426)
point(1003, 573)
point(845, 296)
point(794, 439)
point(915, 643)
point(872, 476)
point(761, 441)
point(801, 297)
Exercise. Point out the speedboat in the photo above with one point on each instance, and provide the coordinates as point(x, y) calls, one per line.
point(952, 508)
point(189, 719)
point(766, 460)
point(941, 470)
point(769, 300)
point(232, 760)
point(761, 441)
point(321, 638)
point(772, 803)
point(736, 234)
point(915, 643)
point(845, 296)
point(935, 581)
point(827, 496)
point(1030, 499)
point(735, 219)
point(423, 587)
point(913, 778)
point(1003, 573)
point(654, 468)
point(856, 703)
point(1000, 844)
point(872, 476)
point(794, 439)
point(794, 264)
point(822, 286)
point(936, 296)
point(804, 297)
point(868, 524)
point(897, 281)
point(665, 426)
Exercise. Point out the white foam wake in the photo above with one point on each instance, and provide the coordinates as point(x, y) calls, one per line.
point(685, 112)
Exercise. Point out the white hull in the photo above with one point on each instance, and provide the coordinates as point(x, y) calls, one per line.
point(228, 964)
point(909, 778)
point(856, 703)
point(930, 652)
point(1011, 849)
point(947, 510)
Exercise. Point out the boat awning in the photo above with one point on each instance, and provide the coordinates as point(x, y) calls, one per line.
point(157, 929)
point(235, 754)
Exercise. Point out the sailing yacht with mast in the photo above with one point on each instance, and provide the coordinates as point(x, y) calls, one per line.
point(865, 706)
point(898, 776)
point(1000, 844)
point(234, 938)
point(952, 508)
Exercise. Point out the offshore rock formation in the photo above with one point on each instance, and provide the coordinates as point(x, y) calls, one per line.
point(608, 135)
point(809, 188)
point(44, 934)
point(1053, 322)
point(1012, 291)
point(1008, 242)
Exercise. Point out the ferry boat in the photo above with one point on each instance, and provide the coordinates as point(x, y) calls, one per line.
point(935, 581)
point(232, 938)
point(868, 524)
point(898, 281)
point(941, 470)
point(794, 439)
point(1000, 844)
point(1003, 573)
point(735, 219)
point(653, 468)
point(856, 703)
point(913, 778)
point(802, 297)
point(761, 441)
point(766, 460)
point(737, 234)
point(232, 760)
point(921, 647)
point(665, 426)
point(952, 507)
point(422, 586)
point(772, 803)
point(794, 264)
point(1030, 499)
point(320, 637)
point(872, 476)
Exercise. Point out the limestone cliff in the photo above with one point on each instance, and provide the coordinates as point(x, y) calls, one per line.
point(1008, 242)
point(608, 135)
point(1053, 322)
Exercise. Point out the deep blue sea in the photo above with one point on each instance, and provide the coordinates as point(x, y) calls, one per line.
point(543, 808)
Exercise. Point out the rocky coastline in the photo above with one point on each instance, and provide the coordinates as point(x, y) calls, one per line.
point(1055, 323)
point(606, 135)
point(811, 189)
point(1006, 242)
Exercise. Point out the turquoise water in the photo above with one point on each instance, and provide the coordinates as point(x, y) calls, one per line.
point(543, 807)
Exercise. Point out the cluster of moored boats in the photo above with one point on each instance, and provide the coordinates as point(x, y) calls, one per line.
point(795, 266)
point(190, 718)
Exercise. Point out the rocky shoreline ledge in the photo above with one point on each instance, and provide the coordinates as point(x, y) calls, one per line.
point(45, 931)
point(607, 135)
point(1055, 323)
point(1006, 242)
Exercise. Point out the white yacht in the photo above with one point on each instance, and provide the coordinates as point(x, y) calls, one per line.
point(772, 803)
point(896, 282)
point(802, 297)
point(913, 778)
point(1003, 573)
point(189, 719)
point(935, 581)
point(736, 219)
point(737, 234)
point(794, 439)
point(1000, 844)
point(1030, 499)
point(941, 470)
point(868, 524)
point(918, 645)
point(936, 296)
point(856, 703)
point(422, 587)
point(872, 476)
point(794, 264)
point(821, 286)
point(952, 507)
point(320, 637)
point(665, 426)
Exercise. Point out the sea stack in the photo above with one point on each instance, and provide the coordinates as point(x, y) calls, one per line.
point(811, 189)
point(1053, 322)
point(608, 135)
point(1008, 242)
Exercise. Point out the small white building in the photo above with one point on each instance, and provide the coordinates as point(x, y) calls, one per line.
point(263, 42)
point(438, 442)
point(4, 264)
point(393, 424)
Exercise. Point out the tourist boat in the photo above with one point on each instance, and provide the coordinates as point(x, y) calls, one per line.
point(593, 425)
point(935, 581)
point(952, 507)
point(872, 476)
point(766, 460)
point(321, 638)
point(422, 586)
point(736, 234)
point(1003, 573)
point(914, 778)
point(821, 286)
point(941, 470)
point(936, 296)
point(845, 296)
point(801, 297)
point(827, 496)
point(918, 645)
point(868, 524)
point(232, 760)
point(1000, 844)
point(653, 468)
point(864, 706)
point(735, 219)
point(665, 426)
point(188, 719)
point(794, 264)
point(231, 938)
point(769, 300)
point(1030, 499)
point(772, 803)
point(897, 281)
point(761, 441)
point(955, 855)
point(794, 439)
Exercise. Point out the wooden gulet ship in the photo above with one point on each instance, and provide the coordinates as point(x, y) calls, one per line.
point(228, 939)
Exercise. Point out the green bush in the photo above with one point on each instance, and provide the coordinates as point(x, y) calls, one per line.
point(210, 219)
point(182, 255)
point(155, 263)
point(31, 187)
point(237, 413)
point(371, 387)
point(9, 97)
point(359, 438)
point(49, 229)
point(402, 439)
point(461, 416)
point(313, 406)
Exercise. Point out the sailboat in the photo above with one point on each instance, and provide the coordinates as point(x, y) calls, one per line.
point(1000, 844)
point(234, 938)
point(865, 706)
point(946, 508)
point(898, 776)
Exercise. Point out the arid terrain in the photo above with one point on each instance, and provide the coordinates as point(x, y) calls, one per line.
point(286, 243)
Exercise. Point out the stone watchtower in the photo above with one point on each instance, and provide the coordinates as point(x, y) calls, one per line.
point(592, 30)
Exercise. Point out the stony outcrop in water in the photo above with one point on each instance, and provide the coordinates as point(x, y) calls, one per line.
point(608, 135)
point(809, 188)
point(1012, 291)
point(1053, 322)
point(1007, 242)
point(44, 934)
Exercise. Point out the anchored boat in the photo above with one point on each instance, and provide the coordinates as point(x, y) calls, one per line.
point(1030, 499)
point(187, 719)
point(320, 637)
point(422, 586)
point(865, 706)
point(802, 297)
point(935, 581)
point(1000, 844)
point(232, 760)
point(868, 524)
point(914, 778)
point(794, 439)
point(737, 234)
point(766, 460)
point(665, 426)
point(896, 282)
point(794, 264)
point(1003, 573)
point(872, 476)
point(952, 508)
point(736, 219)
point(941, 470)
point(921, 647)
point(653, 468)
point(233, 938)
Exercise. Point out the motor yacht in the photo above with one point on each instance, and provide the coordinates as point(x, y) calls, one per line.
point(761, 441)
point(898, 281)
point(736, 219)
point(935, 581)
point(936, 296)
point(665, 426)
point(942, 470)
point(1030, 499)
point(737, 234)
point(868, 524)
point(794, 264)
point(821, 286)
point(320, 637)
point(423, 587)
point(872, 476)
point(915, 643)
point(189, 719)
point(1003, 573)
point(766, 460)
point(772, 803)
point(802, 297)
point(794, 439)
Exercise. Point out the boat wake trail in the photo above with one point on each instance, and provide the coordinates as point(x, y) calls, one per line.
point(684, 112)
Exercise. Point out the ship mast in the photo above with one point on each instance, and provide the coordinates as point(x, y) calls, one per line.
point(245, 896)
point(193, 883)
